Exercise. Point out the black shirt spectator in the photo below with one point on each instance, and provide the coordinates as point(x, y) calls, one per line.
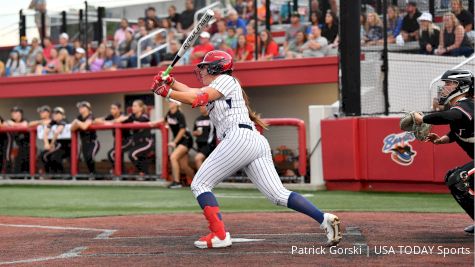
point(465, 18)
point(173, 16)
point(426, 38)
point(410, 26)
point(330, 27)
point(187, 17)
point(139, 133)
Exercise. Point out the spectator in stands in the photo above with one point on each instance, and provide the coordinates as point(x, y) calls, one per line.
point(39, 65)
point(173, 16)
point(23, 48)
point(410, 26)
point(47, 46)
point(316, 45)
point(167, 25)
point(63, 60)
point(429, 34)
point(200, 50)
point(141, 23)
point(15, 66)
point(236, 22)
point(244, 51)
point(76, 43)
point(394, 23)
point(142, 138)
point(315, 8)
point(291, 32)
point(34, 51)
point(145, 46)
point(159, 41)
point(116, 115)
point(231, 37)
point(96, 62)
point(296, 47)
point(267, 47)
point(223, 46)
point(464, 16)
point(52, 65)
point(249, 12)
point(45, 116)
point(89, 143)
point(185, 24)
point(213, 28)
point(22, 140)
point(167, 58)
point(330, 27)
point(78, 61)
point(181, 143)
point(112, 61)
point(221, 33)
point(204, 132)
point(314, 20)
point(362, 27)
point(240, 7)
point(127, 51)
point(55, 149)
point(151, 14)
point(251, 34)
point(373, 29)
point(64, 44)
point(119, 35)
point(2, 71)
point(261, 13)
point(453, 39)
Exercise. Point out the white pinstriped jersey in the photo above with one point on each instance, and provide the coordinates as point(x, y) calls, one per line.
point(230, 110)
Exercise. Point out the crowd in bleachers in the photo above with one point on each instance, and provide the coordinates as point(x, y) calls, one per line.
point(314, 34)
point(455, 36)
point(233, 32)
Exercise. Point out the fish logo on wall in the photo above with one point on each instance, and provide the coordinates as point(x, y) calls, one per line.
point(399, 147)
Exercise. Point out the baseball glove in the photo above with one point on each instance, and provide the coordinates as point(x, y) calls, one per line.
point(408, 123)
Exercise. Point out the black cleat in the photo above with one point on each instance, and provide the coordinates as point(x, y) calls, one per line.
point(469, 229)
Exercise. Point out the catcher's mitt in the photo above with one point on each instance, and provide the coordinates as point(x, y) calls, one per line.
point(408, 123)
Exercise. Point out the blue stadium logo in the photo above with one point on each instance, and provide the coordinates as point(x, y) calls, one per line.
point(398, 145)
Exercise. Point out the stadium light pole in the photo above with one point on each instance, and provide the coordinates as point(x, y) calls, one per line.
point(85, 33)
point(256, 31)
point(384, 67)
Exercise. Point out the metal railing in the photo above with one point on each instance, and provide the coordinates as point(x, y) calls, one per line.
point(32, 156)
point(148, 53)
point(118, 127)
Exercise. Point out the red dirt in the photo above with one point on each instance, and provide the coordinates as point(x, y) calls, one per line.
point(153, 240)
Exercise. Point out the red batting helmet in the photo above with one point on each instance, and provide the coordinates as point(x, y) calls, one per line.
point(217, 62)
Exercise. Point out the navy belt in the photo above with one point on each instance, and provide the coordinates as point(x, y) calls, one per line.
point(243, 126)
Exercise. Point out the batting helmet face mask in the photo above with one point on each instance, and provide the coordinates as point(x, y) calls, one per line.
point(456, 83)
point(214, 62)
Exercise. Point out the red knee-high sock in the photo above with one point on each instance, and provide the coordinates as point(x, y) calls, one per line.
point(216, 225)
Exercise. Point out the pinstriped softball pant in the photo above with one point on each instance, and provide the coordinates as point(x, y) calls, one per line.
point(242, 149)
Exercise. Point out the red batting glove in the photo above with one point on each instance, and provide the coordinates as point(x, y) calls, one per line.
point(159, 81)
point(162, 90)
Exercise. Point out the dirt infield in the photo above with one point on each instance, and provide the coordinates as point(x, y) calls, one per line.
point(259, 239)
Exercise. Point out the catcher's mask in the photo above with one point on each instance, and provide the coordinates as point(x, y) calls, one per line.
point(453, 83)
point(215, 62)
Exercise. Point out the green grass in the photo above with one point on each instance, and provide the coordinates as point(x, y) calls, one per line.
point(90, 201)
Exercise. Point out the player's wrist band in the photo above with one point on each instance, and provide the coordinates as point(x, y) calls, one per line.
point(168, 95)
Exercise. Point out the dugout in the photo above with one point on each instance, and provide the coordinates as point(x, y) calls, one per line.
point(277, 89)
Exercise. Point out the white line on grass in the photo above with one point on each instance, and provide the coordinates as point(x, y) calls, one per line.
point(224, 195)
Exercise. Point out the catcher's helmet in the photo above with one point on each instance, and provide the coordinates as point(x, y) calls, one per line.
point(464, 84)
point(217, 62)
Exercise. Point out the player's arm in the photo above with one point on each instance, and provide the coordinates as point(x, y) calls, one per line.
point(45, 138)
point(199, 98)
point(178, 86)
point(56, 133)
point(81, 125)
point(440, 118)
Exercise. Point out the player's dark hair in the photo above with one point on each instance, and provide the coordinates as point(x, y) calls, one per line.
point(117, 104)
point(254, 116)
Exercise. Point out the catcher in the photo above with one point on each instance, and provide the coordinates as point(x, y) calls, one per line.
point(457, 95)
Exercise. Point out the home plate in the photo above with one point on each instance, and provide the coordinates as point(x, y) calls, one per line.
point(244, 240)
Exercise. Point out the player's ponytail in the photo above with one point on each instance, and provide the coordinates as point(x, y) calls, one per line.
point(252, 114)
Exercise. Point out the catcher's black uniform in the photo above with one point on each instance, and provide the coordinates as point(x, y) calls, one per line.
point(460, 119)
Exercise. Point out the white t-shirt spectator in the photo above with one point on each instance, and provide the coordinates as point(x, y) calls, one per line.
point(315, 48)
point(15, 68)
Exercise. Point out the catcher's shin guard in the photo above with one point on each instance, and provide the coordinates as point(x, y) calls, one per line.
point(216, 225)
point(460, 183)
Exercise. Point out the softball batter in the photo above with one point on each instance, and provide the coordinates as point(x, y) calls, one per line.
point(241, 147)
